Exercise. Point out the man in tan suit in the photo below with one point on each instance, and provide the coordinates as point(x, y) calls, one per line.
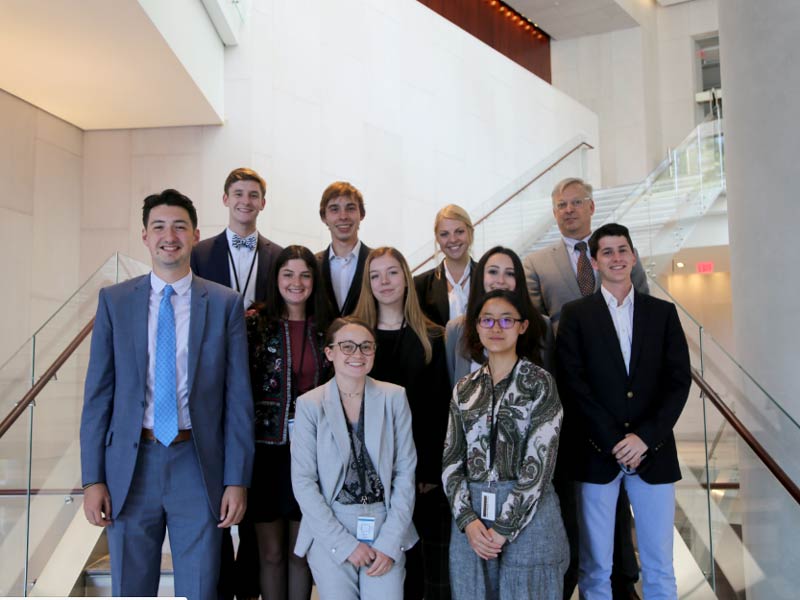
point(557, 274)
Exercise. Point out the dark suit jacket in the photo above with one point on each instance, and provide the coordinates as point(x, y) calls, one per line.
point(605, 403)
point(355, 286)
point(220, 400)
point(432, 293)
point(210, 261)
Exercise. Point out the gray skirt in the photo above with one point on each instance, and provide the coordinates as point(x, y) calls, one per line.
point(531, 567)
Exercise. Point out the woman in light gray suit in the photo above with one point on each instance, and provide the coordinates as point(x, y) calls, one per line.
point(353, 462)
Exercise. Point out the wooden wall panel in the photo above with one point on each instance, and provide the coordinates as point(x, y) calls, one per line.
point(484, 20)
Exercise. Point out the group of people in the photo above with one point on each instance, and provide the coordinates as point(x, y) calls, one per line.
point(470, 432)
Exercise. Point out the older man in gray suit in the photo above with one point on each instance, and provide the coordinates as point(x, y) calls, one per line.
point(555, 275)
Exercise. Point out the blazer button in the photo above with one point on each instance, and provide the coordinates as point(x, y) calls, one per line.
point(630, 394)
point(135, 444)
point(333, 550)
point(402, 548)
point(627, 425)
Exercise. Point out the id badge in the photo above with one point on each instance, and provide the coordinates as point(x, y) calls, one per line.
point(365, 529)
point(488, 506)
point(291, 428)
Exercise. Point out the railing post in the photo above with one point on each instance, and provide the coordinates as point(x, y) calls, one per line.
point(711, 565)
point(30, 473)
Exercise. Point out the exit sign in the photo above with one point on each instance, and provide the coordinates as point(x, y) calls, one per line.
point(705, 267)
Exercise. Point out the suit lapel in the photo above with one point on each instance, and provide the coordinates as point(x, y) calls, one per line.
point(334, 413)
point(606, 330)
point(640, 314)
point(264, 264)
point(374, 403)
point(219, 267)
point(197, 325)
point(564, 266)
point(355, 286)
point(325, 265)
point(439, 290)
point(138, 309)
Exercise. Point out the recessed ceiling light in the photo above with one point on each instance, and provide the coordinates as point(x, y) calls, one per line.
point(680, 265)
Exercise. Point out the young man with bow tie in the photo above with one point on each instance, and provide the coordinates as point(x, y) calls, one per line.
point(239, 258)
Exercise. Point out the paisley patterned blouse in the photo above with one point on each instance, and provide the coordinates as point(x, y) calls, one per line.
point(527, 418)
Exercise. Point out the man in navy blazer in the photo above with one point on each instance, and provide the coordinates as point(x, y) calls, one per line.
point(190, 477)
point(239, 257)
point(342, 262)
point(624, 377)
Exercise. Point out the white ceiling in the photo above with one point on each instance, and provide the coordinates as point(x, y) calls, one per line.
point(98, 64)
point(564, 19)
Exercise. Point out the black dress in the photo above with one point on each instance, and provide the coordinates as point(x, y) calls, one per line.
point(400, 359)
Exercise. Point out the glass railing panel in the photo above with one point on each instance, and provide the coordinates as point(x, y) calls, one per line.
point(521, 211)
point(13, 506)
point(692, 519)
point(664, 209)
point(39, 455)
point(755, 527)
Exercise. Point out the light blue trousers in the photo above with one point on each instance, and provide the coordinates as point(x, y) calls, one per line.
point(654, 515)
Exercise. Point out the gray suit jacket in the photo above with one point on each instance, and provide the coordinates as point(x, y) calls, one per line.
point(220, 397)
point(320, 454)
point(552, 282)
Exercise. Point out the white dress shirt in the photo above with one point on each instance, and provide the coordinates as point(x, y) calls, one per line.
point(622, 317)
point(343, 269)
point(244, 265)
point(181, 304)
point(459, 291)
point(573, 255)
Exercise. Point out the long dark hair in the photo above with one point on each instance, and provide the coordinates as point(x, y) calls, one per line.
point(317, 304)
point(537, 326)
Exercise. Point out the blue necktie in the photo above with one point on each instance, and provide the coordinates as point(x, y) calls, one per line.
point(165, 401)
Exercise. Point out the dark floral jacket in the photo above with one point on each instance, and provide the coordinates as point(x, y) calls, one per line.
point(271, 374)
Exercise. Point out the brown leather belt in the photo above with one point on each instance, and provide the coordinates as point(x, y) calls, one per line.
point(183, 435)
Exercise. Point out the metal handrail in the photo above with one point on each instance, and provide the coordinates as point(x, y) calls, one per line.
point(49, 374)
point(740, 428)
point(511, 196)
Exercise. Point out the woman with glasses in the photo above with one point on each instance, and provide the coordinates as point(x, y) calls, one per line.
point(498, 269)
point(443, 291)
point(285, 337)
point(411, 354)
point(353, 462)
point(508, 538)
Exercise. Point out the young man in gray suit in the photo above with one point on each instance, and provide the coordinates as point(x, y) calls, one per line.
point(557, 274)
point(167, 423)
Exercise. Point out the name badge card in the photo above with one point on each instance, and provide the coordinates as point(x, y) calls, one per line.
point(365, 529)
point(488, 508)
point(291, 428)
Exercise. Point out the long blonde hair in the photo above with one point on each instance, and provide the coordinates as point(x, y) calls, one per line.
point(367, 309)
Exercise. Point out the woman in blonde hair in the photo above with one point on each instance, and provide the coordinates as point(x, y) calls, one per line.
point(411, 353)
point(443, 291)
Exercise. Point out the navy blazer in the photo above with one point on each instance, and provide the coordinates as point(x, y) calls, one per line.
point(604, 402)
point(431, 289)
point(354, 292)
point(220, 398)
point(210, 261)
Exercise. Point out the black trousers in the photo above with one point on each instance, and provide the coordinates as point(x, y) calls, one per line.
point(239, 577)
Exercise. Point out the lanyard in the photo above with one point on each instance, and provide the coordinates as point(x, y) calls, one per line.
point(249, 272)
point(358, 459)
point(490, 419)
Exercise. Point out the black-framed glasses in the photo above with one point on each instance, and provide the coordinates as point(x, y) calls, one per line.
point(349, 347)
point(504, 322)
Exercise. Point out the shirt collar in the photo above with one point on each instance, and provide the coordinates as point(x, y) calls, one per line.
point(570, 242)
point(181, 286)
point(353, 253)
point(612, 301)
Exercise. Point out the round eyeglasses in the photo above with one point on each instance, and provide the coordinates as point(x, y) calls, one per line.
point(504, 322)
point(349, 347)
